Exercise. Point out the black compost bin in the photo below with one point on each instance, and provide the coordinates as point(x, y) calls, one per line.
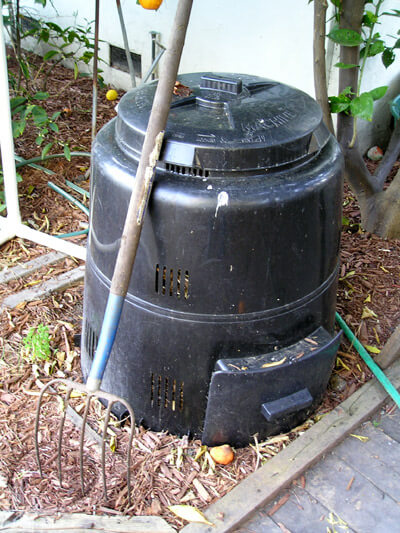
point(228, 326)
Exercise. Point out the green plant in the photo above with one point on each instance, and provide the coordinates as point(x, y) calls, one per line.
point(73, 43)
point(356, 22)
point(25, 109)
point(37, 344)
point(29, 85)
point(354, 102)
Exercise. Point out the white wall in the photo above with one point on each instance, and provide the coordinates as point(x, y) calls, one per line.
point(263, 37)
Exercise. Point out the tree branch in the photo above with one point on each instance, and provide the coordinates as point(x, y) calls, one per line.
point(320, 84)
point(357, 173)
point(390, 157)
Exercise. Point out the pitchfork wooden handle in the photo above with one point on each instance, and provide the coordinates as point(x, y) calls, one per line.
point(140, 194)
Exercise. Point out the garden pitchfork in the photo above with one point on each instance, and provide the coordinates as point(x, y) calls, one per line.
point(126, 256)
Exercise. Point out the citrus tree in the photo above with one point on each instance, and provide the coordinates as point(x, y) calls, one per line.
point(356, 32)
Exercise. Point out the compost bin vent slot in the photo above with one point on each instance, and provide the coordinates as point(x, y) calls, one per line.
point(187, 171)
point(168, 281)
point(166, 393)
point(91, 340)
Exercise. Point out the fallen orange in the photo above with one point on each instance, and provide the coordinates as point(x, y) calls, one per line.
point(111, 95)
point(222, 455)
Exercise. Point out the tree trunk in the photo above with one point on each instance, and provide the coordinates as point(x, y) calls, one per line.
point(320, 85)
point(380, 209)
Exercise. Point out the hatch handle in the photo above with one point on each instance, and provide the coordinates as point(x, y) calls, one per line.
point(297, 401)
point(222, 84)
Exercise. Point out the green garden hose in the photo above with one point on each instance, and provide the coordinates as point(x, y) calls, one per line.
point(32, 163)
point(378, 373)
point(40, 159)
point(69, 197)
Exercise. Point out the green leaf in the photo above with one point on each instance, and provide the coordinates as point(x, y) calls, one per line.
point(39, 116)
point(72, 35)
point(55, 115)
point(345, 65)
point(378, 92)
point(44, 35)
point(347, 90)
point(76, 70)
point(24, 69)
point(41, 95)
point(18, 127)
point(19, 109)
point(345, 37)
point(16, 102)
point(369, 19)
point(362, 106)
point(55, 27)
point(39, 139)
point(54, 127)
point(67, 152)
point(397, 44)
point(50, 54)
point(28, 110)
point(388, 57)
point(46, 149)
point(340, 103)
point(376, 48)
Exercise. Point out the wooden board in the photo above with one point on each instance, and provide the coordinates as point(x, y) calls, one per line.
point(263, 485)
point(390, 424)
point(19, 271)
point(302, 513)
point(391, 351)
point(379, 446)
point(64, 280)
point(260, 522)
point(377, 460)
point(81, 523)
point(363, 507)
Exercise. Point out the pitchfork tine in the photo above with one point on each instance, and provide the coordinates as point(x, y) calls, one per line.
point(42, 392)
point(128, 460)
point(84, 419)
point(103, 448)
point(60, 433)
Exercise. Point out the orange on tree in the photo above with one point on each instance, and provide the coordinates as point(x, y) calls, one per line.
point(222, 455)
point(150, 4)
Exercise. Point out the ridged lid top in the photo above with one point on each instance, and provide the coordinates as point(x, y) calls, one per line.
point(227, 122)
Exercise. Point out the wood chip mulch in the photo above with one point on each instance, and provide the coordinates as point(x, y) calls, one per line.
point(166, 469)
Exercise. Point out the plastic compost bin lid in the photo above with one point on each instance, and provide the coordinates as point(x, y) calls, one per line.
point(227, 122)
